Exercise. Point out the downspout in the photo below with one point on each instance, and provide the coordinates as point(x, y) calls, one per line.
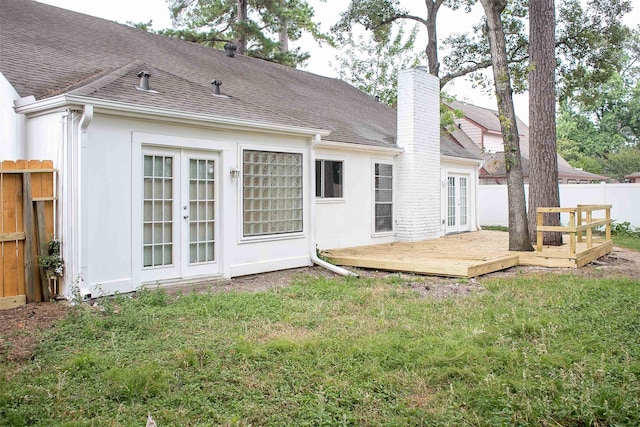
point(61, 210)
point(312, 218)
point(81, 208)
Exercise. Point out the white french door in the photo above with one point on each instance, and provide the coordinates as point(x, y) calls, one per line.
point(180, 210)
point(457, 203)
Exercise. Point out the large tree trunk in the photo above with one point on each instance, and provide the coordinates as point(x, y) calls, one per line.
point(518, 231)
point(543, 178)
point(432, 36)
point(242, 19)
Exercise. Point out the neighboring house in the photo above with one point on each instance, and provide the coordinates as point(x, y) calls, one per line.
point(482, 126)
point(177, 162)
point(633, 178)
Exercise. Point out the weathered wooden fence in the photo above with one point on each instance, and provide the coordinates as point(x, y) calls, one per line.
point(26, 225)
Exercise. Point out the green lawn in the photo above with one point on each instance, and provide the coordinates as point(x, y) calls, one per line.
point(628, 241)
point(554, 350)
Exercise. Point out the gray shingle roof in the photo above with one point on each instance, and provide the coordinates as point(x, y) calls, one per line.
point(47, 51)
point(456, 143)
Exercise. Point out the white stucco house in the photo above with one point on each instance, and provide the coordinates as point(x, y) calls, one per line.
point(177, 162)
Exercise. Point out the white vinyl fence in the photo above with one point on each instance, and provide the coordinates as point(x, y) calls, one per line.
point(624, 199)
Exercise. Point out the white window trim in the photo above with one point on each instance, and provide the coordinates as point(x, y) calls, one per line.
point(328, 200)
point(242, 239)
point(392, 232)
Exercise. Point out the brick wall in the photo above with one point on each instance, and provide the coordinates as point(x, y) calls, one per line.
point(417, 210)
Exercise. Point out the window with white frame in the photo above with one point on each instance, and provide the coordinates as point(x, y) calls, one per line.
point(384, 197)
point(329, 179)
point(272, 193)
point(157, 246)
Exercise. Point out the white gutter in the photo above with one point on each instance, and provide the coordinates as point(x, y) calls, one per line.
point(349, 146)
point(464, 160)
point(169, 115)
point(312, 217)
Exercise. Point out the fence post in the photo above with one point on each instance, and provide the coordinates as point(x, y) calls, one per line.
point(27, 214)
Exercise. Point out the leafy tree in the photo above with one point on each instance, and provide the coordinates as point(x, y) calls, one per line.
point(601, 133)
point(590, 41)
point(518, 230)
point(260, 28)
point(543, 177)
point(621, 163)
point(592, 44)
point(379, 15)
point(373, 67)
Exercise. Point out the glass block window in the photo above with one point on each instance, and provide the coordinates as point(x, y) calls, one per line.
point(384, 197)
point(201, 210)
point(272, 193)
point(328, 179)
point(157, 244)
point(451, 201)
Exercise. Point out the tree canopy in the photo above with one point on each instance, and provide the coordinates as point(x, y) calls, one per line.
point(262, 27)
point(603, 135)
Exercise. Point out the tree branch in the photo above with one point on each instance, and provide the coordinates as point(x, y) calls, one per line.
point(464, 71)
point(476, 67)
point(397, 17)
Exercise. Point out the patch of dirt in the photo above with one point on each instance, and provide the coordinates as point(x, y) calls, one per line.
point(619, 263)
point(21, 328)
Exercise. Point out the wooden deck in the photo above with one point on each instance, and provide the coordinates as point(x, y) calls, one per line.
point(463, 255)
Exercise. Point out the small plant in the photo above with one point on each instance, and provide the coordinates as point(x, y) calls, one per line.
point(52, 263)
point(625, 229)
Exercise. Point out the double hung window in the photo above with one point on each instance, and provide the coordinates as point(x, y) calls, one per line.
point(383, 176)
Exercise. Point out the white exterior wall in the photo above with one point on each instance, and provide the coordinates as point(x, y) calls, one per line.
point(114, 184)
point(12, 125)
point(624, 198)
point(101, 213)
point(349, 220)
point(417, 202)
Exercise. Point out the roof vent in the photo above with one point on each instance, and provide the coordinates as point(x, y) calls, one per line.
point(230, 49)
point(144, 80)
point(216, 87)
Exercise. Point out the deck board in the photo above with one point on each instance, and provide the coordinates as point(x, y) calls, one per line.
point(462, 255)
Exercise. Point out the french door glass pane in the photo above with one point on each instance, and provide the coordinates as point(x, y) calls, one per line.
point(157, 245)
point(451, 201)
point(201, 210)
point(463, 201)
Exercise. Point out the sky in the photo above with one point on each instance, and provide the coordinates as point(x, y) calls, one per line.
point(326, 13)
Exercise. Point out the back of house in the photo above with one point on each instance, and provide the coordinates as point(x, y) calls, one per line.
point(177, 162)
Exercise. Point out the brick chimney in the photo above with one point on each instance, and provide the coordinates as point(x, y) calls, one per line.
point(418, 187)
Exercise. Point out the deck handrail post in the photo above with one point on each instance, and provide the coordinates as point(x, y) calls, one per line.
point(572, 231)
point(590, 229)
point(607, 227)
point(579, 220)
point(539, 235)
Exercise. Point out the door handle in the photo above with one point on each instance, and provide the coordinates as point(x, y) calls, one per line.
point(186, 217)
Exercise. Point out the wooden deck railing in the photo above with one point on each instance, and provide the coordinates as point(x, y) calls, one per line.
point(581, 222)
